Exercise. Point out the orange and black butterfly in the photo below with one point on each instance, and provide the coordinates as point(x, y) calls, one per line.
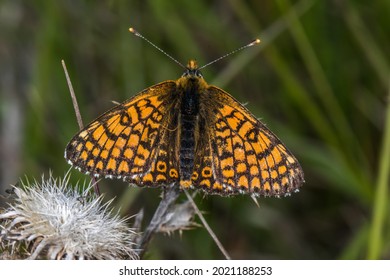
point(186, 134)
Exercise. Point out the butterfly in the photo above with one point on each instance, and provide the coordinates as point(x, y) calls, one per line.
point(186, 133)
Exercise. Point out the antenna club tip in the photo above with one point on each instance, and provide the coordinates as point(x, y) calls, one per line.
point(254, 42)
point(135, 32)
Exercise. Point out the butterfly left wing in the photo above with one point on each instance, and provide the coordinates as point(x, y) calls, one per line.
point(238, 154)
point(132, 140)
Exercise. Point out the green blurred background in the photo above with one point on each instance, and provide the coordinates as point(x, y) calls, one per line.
point(319, 80)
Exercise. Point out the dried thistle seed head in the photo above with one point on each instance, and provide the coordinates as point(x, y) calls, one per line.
point(178, 218)
point(53, 220)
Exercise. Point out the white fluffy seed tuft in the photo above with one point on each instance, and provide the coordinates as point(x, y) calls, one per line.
point(52, 220)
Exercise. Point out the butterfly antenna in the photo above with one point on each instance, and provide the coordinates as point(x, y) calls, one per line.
point(136, 33)
point(254, 42)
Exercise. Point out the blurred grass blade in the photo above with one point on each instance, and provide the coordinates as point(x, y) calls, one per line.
point(363, 36)
point(301, 97)
point(357, 245)
point(381, 194)
point(320, 81)
point(268, 36)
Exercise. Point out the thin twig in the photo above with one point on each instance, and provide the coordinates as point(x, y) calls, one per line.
point(78, 117)
point(208, 228)
point(73, 96)
point(158, 218)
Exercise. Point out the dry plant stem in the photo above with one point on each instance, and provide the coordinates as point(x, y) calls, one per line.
point(169, 198)
point(78, 116)
point(208, 228)
point(73, 96)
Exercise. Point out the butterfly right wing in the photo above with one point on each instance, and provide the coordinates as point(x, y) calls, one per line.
point(236, 153)
point(132, 140)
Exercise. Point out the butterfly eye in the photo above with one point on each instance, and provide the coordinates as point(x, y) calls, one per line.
point(198, 74)
point(192, 73)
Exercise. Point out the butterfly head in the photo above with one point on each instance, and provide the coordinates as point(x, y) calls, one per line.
point(192, 70)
